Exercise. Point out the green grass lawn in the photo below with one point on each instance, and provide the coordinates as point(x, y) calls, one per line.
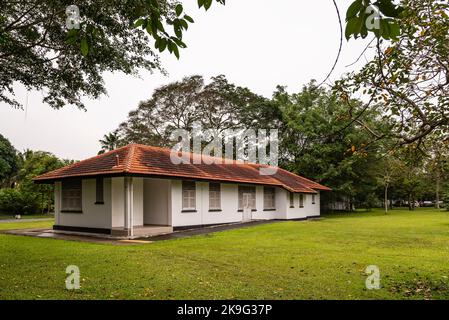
point(322, 259)
point(4, 216)
point(48, 223)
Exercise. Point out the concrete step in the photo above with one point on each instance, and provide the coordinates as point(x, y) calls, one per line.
point(143, 231)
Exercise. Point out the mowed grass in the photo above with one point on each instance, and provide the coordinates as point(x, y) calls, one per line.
point(4, 216)
point(47, 223)
point(323, 259)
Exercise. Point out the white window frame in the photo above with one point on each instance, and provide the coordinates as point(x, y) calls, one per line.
point(188, 196)
point(269, 198)
point(291, 199)
point(301, 200)
point(72, 196)
point(214, 196)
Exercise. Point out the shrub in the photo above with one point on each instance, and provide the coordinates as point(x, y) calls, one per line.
point(446, 200)
point(13, 201)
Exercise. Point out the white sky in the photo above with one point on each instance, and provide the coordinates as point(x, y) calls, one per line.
point(255, 43)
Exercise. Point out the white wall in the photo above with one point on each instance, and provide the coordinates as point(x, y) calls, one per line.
point(93, 215)
point(156, 203)
point(138, 202)
point(159, 201)
point(229, 205)
point(309, 209)
point(118, 202)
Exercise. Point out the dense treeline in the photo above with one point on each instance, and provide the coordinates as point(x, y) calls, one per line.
point(319, 138)
point(18, 193)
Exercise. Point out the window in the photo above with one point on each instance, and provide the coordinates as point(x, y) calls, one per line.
point(100, 191)
point(269, 196)
point(313, 199)
point(301, 200)
point(188, 195)
point(214, 196)
point(292, 200)
point(250, 190)
point(71, 196)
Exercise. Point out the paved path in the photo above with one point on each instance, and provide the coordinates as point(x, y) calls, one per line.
point(206, 230)
point(51, 234)
point(24, 220)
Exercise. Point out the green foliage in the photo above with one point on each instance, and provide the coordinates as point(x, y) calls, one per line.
point(28, 197)
point(43, 54)
point(409, 77)
point(323, 136)
point(14, 201)
point(446, 199)
point(8, 161)
point(319, 141)
point(217, 105)
point(109, 142)
point(361, 15)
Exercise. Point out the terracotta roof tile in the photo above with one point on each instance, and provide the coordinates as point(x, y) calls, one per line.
point(154, 161)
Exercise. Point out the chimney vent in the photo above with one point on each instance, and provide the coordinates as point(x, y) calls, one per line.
point(117, 160)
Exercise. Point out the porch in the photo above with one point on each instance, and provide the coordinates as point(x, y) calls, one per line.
point(140, 207)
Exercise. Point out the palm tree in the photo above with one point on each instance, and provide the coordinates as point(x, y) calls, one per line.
point(109, 142)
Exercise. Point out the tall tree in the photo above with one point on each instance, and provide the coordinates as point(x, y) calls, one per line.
point(437, 162)
point(63, 50)
point(320, 141)
point(387, 172)
point(109, 142)
point(181, 104)
point(408, 79)
point(9, 161)
point(34, 163)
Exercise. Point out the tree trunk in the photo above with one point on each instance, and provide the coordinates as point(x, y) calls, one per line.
point(42, 203)
point(437, 192)
point(386, 198)
point(410, 205)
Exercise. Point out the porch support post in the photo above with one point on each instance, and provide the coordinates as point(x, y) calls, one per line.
point(129, 209)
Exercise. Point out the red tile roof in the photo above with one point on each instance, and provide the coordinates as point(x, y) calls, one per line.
point(144, 160)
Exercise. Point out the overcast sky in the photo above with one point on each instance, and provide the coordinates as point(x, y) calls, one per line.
point(255, 43)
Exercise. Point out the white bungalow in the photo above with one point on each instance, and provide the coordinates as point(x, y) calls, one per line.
point(136, 191)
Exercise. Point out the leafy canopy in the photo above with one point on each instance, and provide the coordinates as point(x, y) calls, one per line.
point(40, 51)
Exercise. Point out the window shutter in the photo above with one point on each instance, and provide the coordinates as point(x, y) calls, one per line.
point(269, 198)
point(100, 191)
point(71, 195)
point(214, 196)
point(188, 195)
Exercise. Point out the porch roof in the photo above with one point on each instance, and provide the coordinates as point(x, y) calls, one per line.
point(141, 160)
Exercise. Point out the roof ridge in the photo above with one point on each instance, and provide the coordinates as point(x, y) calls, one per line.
point(150, 160)
point(234, 161)
point(129, 157)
